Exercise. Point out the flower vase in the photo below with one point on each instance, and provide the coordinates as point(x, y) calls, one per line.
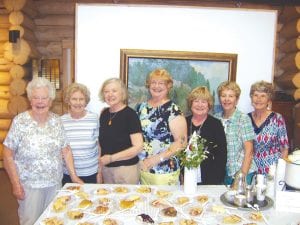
point(190, 181)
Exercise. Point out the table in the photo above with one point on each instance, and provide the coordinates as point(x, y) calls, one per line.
point(125, 217)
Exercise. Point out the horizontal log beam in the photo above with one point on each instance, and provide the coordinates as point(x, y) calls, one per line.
point(55, 20)
point(53, 33)
point(288, 80)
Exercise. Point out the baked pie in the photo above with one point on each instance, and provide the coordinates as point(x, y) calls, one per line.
point(102, 191)
point(53, 221)
point(232, 219)
point(256, 216)
point(182, 200)
point(121, 190)
point(195, 211)
point(143, 189)
point(134, 198)
point(169, 211)
point(75, 214)
point(74, 188)
point(126, 204)
point(60, 203)
point(163, 193)
point(104, 201)
point(82, 194)
point(85, 203)
point(85, 223)
point(109, 221)
point(101, 209)
point(187, 222)
point(159, 203)
point(202, 198)
point(166, 223)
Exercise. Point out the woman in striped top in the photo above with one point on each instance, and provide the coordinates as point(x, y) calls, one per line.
point(82, 130)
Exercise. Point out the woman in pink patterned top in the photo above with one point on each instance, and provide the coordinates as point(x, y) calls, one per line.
point(271, 141)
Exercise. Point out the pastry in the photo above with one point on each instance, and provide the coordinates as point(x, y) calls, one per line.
point(163, 193)
point(134, 198)
point(256, 216)
point(182, 200)
point(109, 221)
point(85, 203)
point(85, 223)
point(82, 194)
point(53, 221)
point(101, 209)
point(60, 203)
point(232, 219)
point(143, 189)
point(202, 198)
point(144, 219)
point(166, 223)
point(187, 222)
point(121, 190)
point(75, 215)
point(104, 201)
point(102, 191)
point(250, 224)
point(74, 188)
point(126, 204)
point(160, 203)
point(195, 211)
point(169, 211)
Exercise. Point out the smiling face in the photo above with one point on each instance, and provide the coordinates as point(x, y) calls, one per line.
point(113, 94)
point(40, 101)
point(158, 88)
point(77, 103)
point(200, 107)
point(228, 100)
point(260, 100)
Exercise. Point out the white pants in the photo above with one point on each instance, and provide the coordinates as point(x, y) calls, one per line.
point(35, 202)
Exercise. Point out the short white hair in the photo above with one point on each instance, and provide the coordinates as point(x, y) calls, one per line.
point(40, 82)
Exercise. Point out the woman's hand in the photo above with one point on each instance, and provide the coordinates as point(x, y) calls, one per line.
point(18, 191)
point(148, 163)
point(76, 179)
point(105, 159)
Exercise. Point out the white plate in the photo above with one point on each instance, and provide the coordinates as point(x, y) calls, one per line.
point(119, 222)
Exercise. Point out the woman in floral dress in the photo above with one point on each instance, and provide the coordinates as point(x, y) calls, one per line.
point(271, 140)
point(164, 130)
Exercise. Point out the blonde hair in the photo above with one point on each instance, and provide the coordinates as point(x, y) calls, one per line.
point(162, 74)
point(117, 81)
point(72, 88)
point(229, 85)
point(40, 82)
point(202, 93)
point(262, 86)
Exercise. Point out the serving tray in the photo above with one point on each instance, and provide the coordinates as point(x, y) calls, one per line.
point(263, 205)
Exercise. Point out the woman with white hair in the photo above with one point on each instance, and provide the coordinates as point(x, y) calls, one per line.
point(33, 153)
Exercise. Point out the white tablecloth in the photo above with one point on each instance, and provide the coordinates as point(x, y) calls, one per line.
point(129, 217)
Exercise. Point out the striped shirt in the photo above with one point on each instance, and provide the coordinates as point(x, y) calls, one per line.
point(238, 129)
point(82, 135)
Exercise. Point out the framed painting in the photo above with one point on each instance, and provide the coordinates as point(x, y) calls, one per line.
point(188, 70)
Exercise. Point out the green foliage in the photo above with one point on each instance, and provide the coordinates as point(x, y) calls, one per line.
point(195, 153)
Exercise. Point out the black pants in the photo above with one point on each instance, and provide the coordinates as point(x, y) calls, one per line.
point(92, 179)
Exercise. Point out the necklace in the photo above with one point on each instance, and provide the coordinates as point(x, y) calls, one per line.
point(111, 116)
point(198, 130)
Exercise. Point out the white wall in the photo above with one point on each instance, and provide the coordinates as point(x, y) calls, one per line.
point(102, 30)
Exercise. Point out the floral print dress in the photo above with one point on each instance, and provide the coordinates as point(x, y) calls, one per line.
point(157, 134)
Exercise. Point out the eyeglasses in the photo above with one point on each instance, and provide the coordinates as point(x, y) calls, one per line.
point(159, 83)
point(37, 98)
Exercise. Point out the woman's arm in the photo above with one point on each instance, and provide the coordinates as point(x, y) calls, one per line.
point(10, 167)
point(99, 174)
point(248, 148)
point(178, 129)
point(137, 146)
point(68, 157)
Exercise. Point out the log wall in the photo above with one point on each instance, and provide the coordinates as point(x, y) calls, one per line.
point(46, 25)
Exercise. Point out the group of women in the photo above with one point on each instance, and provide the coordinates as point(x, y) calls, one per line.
point(135, 146)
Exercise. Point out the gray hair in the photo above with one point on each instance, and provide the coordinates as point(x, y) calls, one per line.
point(262, 86)
point(74, 87)
point(40, 82)
point(114, 80)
